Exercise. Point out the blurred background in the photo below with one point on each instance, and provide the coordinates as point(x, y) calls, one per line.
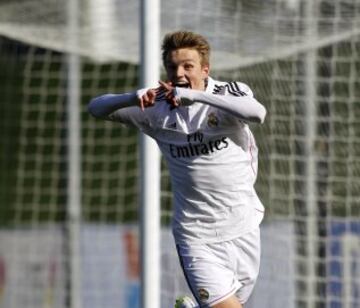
point(302, 60)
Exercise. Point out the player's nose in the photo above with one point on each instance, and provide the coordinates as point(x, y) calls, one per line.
point(180, 72)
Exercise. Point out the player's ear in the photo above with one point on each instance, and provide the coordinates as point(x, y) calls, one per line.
point(206, 70)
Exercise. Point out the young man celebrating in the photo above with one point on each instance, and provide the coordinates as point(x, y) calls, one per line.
point(201, 127)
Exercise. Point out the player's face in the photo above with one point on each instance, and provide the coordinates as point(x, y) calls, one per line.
point(184, 69)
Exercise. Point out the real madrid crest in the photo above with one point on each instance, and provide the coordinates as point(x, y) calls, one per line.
point(212, 120)
point(203, 294)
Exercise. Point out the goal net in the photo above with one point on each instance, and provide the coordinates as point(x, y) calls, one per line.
point(302, 60)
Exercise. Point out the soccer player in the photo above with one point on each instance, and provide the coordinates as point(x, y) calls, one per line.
point(201, 127)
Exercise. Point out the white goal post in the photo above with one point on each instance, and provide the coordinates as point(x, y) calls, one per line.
point(301, 58)
point(74, 185)
point(150, 162)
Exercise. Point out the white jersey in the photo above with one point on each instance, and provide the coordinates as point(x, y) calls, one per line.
point(212, 158)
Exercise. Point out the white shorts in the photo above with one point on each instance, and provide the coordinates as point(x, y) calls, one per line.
point(216, 271)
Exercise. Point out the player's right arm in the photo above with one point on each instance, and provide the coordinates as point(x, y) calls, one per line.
point(105, 105)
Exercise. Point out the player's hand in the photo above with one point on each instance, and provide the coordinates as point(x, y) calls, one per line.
point(168, 88)
point(148, 99)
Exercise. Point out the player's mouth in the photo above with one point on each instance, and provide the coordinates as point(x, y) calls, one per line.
point(182, 85)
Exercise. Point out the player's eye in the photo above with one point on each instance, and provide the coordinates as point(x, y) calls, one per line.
point(171, 67)
point(188, 66)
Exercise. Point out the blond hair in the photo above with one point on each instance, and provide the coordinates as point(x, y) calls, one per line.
point(186, 39)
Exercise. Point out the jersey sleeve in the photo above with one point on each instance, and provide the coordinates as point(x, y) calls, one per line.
point(235, 99)
point(132, 116)
point(120, 108)
point(234, 88)
point(242, 89)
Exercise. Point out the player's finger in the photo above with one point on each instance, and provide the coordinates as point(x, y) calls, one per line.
point(151, 97)
point(162, 85)
point(141, 103)
point(165, 85)
point(174, 102)
point(145, 100)
point(169, 97)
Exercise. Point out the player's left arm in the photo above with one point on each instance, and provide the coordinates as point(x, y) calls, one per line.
point(243, 107)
